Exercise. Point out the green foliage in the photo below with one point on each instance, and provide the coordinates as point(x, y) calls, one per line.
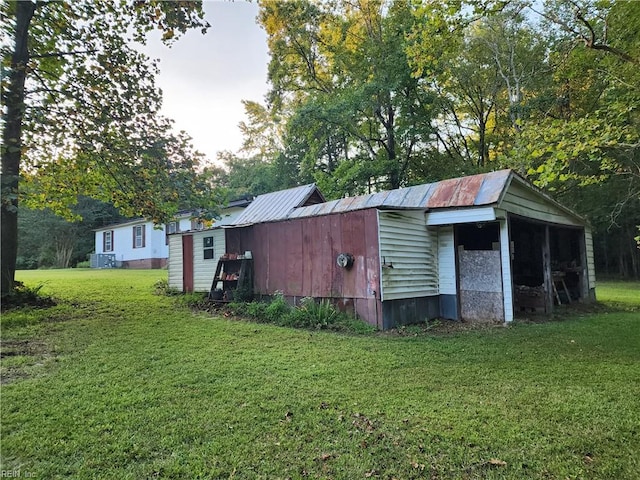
point(47, 240)
point(84, 117)
point(317, 314)
point(340, 77)
point(277, 310)
point(516, 90)
point(101, 110)
point(26, 296)
point(161, 287)
point(193, 300)
point(310, 314)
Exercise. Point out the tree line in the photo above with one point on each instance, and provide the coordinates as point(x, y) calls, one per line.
point(369, 94)
point(365, 95)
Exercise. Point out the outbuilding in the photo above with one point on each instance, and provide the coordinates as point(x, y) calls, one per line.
point(477, 248)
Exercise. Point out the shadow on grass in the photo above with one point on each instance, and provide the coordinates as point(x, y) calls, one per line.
point(23, 296)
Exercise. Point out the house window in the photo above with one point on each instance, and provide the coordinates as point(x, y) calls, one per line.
point(107, 241)
point(138, 236)
point(207, 244)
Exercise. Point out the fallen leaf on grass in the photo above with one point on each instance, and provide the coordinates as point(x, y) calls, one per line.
point(497, 462)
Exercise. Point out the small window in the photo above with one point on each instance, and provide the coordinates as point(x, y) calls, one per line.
point(107, 241)
point(138, 236)
point(207, 243)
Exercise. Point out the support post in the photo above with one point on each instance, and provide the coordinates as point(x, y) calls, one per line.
point(507, 279)
point(546, 272)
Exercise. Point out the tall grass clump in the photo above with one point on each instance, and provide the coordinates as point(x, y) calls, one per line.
point(309, 314)
point(26, 296)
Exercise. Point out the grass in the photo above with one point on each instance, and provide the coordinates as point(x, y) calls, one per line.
point(116, 382)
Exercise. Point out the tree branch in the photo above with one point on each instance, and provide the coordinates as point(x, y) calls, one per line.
point(63, 54)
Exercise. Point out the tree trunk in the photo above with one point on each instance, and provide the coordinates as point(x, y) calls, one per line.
point(13, 99)
point(392, 154)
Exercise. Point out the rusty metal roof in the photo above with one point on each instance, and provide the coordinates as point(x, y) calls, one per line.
point(277, 205)
point(474, 190)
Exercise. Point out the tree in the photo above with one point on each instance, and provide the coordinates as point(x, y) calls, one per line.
point(339, 73)
point(81, 111)
point(48, 240)
point(489, 71)
point(567, 77)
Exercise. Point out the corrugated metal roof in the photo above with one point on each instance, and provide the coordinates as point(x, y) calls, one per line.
point(482, 189)
point(276, 206)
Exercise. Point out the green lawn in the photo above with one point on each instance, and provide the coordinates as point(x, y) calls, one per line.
point(116, 382)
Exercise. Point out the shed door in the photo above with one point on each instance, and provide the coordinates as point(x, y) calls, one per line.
point(187, 263)
point(480, 272)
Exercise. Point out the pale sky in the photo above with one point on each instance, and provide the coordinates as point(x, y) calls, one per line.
point(205, 77)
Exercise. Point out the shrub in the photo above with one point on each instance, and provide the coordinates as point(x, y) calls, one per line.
point(23, 296)
point(194, 300)
point(277, 309)
point(84, 264)
point(319, 314)
point(309, 314)
point(161, 287)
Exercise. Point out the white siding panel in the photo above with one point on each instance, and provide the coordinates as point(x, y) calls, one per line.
point(507, 282)
point(204, 269)
point(461, 215)
point(591, 269)
point(526, 202)
point(408, 253)
point(446, 261)
point(175, 262)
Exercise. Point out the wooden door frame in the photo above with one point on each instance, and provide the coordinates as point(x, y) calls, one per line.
point(187, 263)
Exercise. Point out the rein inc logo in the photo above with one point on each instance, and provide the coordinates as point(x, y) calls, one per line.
point(16, 474)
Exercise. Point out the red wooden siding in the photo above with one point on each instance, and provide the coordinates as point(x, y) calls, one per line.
point(298, 258)
point(187, 265)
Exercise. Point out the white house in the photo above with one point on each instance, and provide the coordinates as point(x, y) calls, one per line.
point(138, 243)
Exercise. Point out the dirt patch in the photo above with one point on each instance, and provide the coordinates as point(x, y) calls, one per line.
point(18, 357)
point(440, 327)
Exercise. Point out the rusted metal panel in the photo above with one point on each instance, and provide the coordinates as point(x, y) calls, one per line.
point(338, 274)
point(353, 242)
point(323, 263)
point(318, 210)
point(442, 192)
point(483, 189)
point(467, 190)
point(309, 246)
point(294, 266)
